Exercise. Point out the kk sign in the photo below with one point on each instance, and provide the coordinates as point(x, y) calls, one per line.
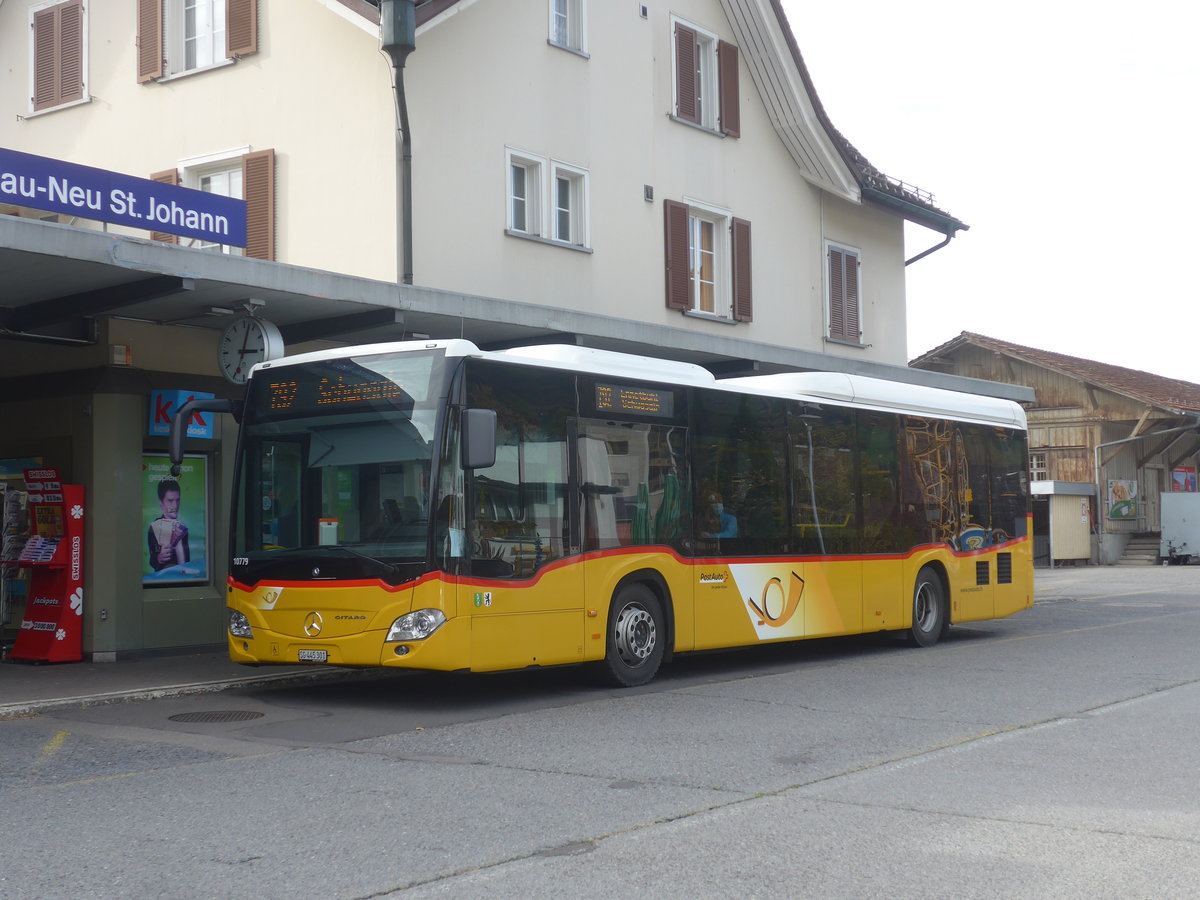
point(57, 186)
point(162, 409)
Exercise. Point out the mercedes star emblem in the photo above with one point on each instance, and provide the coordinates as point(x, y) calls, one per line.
point(312, 624)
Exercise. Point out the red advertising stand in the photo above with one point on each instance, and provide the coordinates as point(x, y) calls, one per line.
point(52, 627)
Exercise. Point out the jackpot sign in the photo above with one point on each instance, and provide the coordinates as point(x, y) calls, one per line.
point(51, 184)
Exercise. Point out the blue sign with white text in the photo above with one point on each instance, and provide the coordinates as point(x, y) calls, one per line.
point(163, 405)
point(51, 184)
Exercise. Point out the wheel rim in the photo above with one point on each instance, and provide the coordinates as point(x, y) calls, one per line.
point(925, 607)
point(634, 634)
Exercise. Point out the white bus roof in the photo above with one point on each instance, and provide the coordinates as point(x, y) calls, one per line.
point(853, 390)
point(860, 390)
point(608, 362)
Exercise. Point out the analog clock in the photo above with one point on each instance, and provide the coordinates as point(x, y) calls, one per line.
point(247, 341)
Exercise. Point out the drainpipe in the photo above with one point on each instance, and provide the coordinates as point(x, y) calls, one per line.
point(933, 249)
point(398, 29)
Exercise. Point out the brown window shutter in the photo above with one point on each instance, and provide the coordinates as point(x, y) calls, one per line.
point(678, 284)
point(241, 28)
point(731, 113)
point(170, 176)
point(58, 55)
point(149, 40)
point(45, 58)
point(853, 322)
point(837, 299)
point(685, 74)
point(258, 187)
point(70, 52)
point(743, 305)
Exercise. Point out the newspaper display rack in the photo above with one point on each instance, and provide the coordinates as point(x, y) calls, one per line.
point(52, 627)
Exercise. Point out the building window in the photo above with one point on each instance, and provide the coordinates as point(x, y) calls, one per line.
point(547, 199)
point(524, 193)
point(702, 263)
point(568, 20)
point(706, 80)
point(58, 49)
point(1037, 467)
point(708, 261)
point(232, 173)
point(225, 179)
point(180, 36)
point(195, 35)
point(842, 293)
point(570, 204)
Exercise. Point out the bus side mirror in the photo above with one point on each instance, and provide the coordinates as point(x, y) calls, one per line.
point(183, 415)
point(478, 438)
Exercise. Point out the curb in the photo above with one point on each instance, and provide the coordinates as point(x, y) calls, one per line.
point(37, 707)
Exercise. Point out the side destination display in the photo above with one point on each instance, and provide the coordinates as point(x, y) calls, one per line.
point(641, 401)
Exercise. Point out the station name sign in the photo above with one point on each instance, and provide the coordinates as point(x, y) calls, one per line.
point(62, 187)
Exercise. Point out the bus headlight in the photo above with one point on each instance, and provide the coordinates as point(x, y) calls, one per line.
point(239, 625)
point(416, 626)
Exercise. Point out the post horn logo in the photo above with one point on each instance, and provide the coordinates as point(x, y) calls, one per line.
point(313, 623)
point(776, 607)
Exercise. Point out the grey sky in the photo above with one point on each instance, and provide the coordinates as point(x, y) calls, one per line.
point(1064, 133)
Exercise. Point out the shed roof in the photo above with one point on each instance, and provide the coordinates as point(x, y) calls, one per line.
point(1170, 394)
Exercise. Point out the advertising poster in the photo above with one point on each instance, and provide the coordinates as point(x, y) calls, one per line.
point(1183, 479)
point(175, 519)
point(1122, 499)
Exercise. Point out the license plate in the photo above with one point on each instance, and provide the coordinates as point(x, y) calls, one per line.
point(314, 656)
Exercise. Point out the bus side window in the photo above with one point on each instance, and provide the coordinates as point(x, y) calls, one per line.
point(741, 460)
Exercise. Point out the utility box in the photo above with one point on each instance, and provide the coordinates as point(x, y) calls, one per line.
point(1180, 537)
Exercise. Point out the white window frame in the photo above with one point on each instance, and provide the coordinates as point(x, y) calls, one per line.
point(175, 38)
point(534, 167)
point(827, 274)
point(567, 27)
point(708, 93)
point(193, 171)
point(721, 220)
point(578, 211)
point(541, 201)
point(1039, 465)
point(83, 62)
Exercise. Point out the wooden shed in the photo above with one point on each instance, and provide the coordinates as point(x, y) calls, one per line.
point(1128, 435)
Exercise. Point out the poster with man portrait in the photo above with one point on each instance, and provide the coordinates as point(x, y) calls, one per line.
point(175, 521)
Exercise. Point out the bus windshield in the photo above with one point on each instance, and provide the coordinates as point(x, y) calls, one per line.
point(334, 469)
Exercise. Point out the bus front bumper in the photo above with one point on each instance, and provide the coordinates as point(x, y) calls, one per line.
point(446, 650)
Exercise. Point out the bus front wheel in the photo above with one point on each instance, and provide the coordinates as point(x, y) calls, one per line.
point(930, 616)
point(636, 636)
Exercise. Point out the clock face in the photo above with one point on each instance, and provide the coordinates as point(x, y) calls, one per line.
point(245, 342)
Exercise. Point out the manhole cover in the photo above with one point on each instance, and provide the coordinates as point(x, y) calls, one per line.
point(227, 715)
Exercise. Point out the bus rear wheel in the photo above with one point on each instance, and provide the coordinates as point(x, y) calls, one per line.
point(636, 636)
point(930, 615)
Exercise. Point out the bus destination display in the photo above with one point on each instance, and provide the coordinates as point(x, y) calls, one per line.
point(326, 392)
point(640, 401)
point(388, 381)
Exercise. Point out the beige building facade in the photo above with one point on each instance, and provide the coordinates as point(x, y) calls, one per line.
point(639, 176)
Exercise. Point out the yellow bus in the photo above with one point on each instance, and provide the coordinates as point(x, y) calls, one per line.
point(429, 505)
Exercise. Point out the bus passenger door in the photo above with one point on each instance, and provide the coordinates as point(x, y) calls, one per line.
point(825, 518)
point(631, 479)
point(524, 593)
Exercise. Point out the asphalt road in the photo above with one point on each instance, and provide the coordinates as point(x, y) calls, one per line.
point(1052, 754)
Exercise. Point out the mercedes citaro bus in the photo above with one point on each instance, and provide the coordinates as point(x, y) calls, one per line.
point(428, 505)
